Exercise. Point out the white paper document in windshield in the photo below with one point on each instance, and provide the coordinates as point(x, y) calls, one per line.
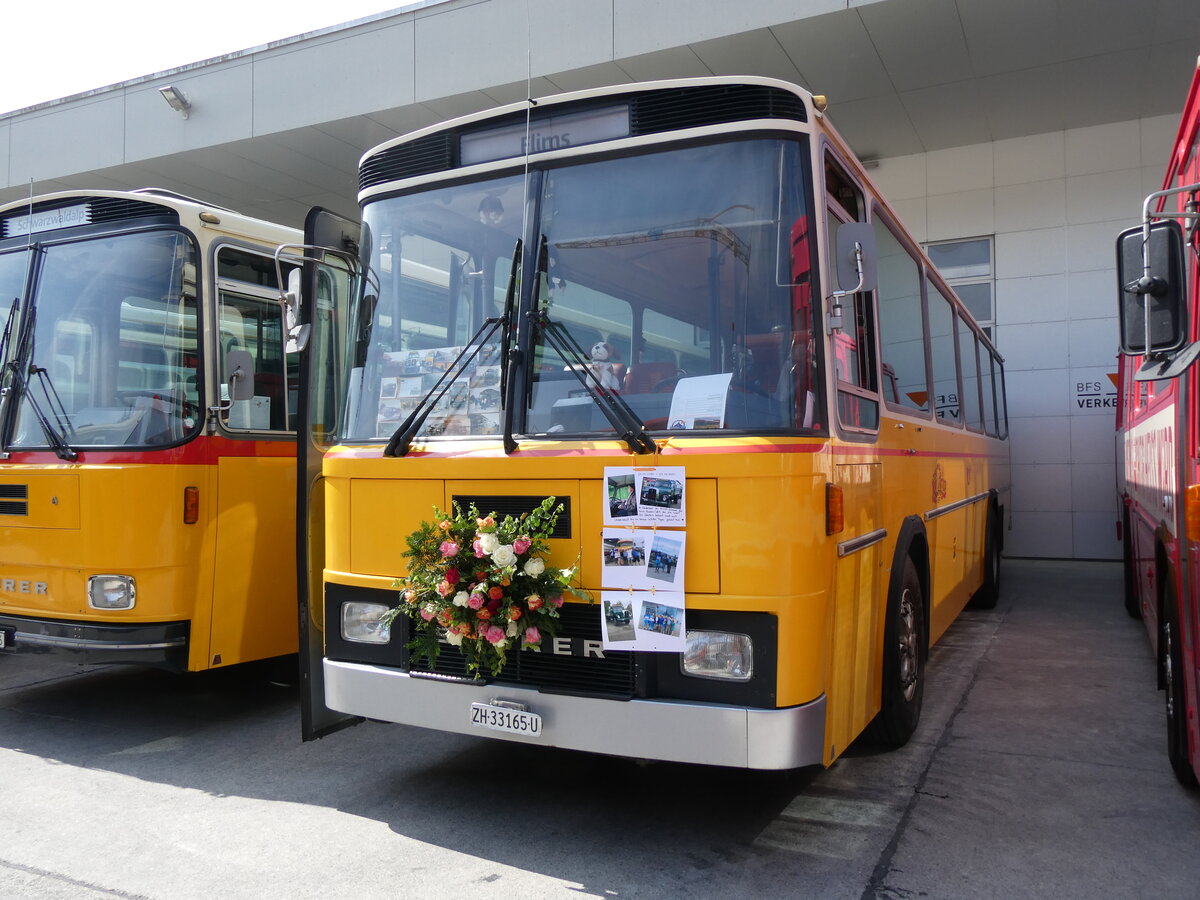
point(699, 402)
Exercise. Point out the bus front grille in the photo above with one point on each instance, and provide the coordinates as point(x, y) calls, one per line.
point(572, 663)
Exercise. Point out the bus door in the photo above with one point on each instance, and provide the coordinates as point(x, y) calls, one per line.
point(860, 595)
point(253, 605)
point(326, 294)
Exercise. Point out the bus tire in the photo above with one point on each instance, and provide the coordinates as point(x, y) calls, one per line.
point(1173, 683)
point(903, 661)
point(989, 592)
point(1131, 598)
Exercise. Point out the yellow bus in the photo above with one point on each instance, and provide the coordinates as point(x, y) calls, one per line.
point(147, 448)
point(693, 279)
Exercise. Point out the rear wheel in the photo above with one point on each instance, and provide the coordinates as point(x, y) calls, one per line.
point(1172, 663)
point(903, 661)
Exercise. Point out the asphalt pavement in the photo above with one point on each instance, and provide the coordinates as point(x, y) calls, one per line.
point(1039, 770)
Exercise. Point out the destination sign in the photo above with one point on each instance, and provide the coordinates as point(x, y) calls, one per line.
point(544, 135)
point(48, 220)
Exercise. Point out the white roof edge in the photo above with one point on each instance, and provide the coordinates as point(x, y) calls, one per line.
point(410, 7)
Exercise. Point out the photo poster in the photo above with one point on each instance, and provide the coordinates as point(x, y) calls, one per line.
point(645, 495)
point(643, 559)
point(470, 405)
point(643, 620)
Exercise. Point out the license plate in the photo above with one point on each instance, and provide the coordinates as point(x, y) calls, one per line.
point(8, 637)
point(500, 718)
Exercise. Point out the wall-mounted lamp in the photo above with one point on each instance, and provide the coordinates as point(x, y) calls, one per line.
point(176, 99)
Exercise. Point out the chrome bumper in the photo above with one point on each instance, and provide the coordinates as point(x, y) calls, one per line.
point(676, 730)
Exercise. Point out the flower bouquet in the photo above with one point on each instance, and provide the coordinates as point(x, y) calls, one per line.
point(482, 585)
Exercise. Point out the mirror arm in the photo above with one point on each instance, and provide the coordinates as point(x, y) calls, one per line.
point(834, 320)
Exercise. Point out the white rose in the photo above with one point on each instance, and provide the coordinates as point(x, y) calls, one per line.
point(504, 556)
point(534, 567)
point(454, 638)
point(461, 598)
point(489, 542)
point(513, 629)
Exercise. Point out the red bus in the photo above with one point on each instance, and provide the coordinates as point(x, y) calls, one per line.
point(1158, 433)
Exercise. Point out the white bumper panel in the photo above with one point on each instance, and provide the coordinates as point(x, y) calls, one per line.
point(677, 730)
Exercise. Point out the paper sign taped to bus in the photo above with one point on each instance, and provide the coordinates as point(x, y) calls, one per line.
point(639, 620)
point(650, 495)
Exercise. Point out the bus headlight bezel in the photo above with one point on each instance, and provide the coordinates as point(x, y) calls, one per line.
point(361, 622)
point(112, 592)
point(718, 655)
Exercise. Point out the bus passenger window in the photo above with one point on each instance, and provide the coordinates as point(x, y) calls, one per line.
point(901, 323)
point(945, 363)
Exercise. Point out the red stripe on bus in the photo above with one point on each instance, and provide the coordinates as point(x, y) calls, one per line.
point(201, 451)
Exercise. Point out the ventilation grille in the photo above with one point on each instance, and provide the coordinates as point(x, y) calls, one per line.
point(97, 209)
point(14, 500)
point(650, 112)
point(435, 153)
point(580, 672)
point(503, 505)
point(692, 107)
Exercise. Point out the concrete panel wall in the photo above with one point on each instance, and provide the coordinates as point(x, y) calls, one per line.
point(1054, 203)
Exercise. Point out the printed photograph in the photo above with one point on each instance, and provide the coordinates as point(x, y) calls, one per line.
point(661, 492)
point(664, 561)
point(622, 500)
point(618, 621)
point(659, 618)
point(624, 551)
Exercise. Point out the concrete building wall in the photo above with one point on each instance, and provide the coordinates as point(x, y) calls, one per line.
point(1054, 203)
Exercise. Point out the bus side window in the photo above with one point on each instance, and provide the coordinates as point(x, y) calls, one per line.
point(901, 323)
point(940, 314)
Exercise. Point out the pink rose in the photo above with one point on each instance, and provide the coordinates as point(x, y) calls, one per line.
point(452, 575)
point(521, 544)
point(557, 601)
point(475, 601)
point(494, 634)
point(426, 614)
point(448, 549)
point(532, 635)
point(445, 589)
point(479, 554)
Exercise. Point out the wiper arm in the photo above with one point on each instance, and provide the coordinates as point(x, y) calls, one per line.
point(56, 435)
point(401, 440)
point(619, 414)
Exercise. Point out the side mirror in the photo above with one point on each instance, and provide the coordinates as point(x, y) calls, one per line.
point(297, 334)
point(855, 256)
point(1152, 303)
point(240, 366)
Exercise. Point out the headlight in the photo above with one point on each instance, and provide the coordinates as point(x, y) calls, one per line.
point(718, 654)
point(360, 622)
point(111, 592)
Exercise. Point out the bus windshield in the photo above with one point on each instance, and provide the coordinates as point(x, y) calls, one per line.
point(683, 277)
point(108, 342)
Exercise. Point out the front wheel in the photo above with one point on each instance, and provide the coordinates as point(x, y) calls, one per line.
point(1172, 663)
point(903, 661)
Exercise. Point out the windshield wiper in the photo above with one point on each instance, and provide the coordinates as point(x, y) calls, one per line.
point(17, 387)
point(620, 415)
point(402, 438)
